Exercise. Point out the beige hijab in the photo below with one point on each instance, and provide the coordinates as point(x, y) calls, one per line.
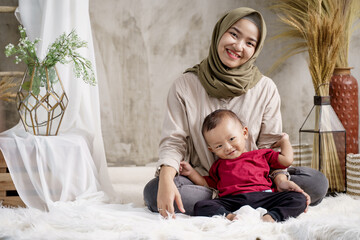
point(218, 80)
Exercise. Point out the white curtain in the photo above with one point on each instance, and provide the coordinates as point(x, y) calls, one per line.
point(47, 169)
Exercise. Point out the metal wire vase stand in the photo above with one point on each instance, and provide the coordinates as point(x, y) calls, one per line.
point(41, 100)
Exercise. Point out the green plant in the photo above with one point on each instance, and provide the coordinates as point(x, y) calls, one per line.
point(63, 50)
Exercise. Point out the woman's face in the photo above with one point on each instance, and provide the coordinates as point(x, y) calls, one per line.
point(238, 43)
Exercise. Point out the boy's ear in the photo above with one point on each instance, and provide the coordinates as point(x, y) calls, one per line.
point(210, 148)
point(245, 132)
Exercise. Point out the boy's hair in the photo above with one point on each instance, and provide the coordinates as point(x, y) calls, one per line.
point(214, 118)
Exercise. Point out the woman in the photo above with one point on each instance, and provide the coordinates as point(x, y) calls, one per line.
point(226, 79)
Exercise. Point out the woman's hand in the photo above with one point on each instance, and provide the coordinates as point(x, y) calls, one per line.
point(286, 185)
point(168, 193)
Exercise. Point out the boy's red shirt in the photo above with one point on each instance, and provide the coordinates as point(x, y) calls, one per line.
point(247, 173)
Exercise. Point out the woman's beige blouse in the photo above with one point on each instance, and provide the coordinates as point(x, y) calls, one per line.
point(187, 106)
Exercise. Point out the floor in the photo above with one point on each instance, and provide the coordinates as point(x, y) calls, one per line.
point(129, 182)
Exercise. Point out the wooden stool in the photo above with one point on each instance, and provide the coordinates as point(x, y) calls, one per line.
point(8, 194)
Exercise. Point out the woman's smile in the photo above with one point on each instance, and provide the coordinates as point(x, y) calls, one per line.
point(232, 54)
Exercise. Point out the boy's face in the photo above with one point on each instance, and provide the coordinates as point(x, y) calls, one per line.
point(228, 139)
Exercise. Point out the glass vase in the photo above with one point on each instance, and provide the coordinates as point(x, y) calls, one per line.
point(41, 100)
point(323, 132)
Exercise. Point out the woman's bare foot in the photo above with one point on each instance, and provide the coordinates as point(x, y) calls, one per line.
point(267, 218)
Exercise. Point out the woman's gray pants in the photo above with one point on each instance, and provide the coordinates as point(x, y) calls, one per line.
point(310, 180)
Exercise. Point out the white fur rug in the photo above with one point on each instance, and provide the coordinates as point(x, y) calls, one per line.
point(91, 218)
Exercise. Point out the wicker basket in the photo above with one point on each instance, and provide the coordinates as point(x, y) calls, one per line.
point(353, 174)
point(306, 155)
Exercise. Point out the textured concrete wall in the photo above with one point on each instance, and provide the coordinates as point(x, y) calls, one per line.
point(142, 46)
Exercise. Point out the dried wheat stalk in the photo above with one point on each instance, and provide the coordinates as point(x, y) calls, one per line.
point(323, 35)
point(350, 14)
point(7, 86)
point(317, 26)
point(294, 14)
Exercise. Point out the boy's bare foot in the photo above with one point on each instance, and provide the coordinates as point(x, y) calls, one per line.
point(267, 218)
point(231, 217)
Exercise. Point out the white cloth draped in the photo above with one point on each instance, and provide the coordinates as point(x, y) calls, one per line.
point(46, 169)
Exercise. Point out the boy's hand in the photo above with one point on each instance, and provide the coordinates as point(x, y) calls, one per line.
point(284, 137)
point(185, 169)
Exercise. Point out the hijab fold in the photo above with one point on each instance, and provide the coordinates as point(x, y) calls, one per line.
point(218, 80)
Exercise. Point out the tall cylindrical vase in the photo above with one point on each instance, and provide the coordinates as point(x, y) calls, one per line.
point(344, 100)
